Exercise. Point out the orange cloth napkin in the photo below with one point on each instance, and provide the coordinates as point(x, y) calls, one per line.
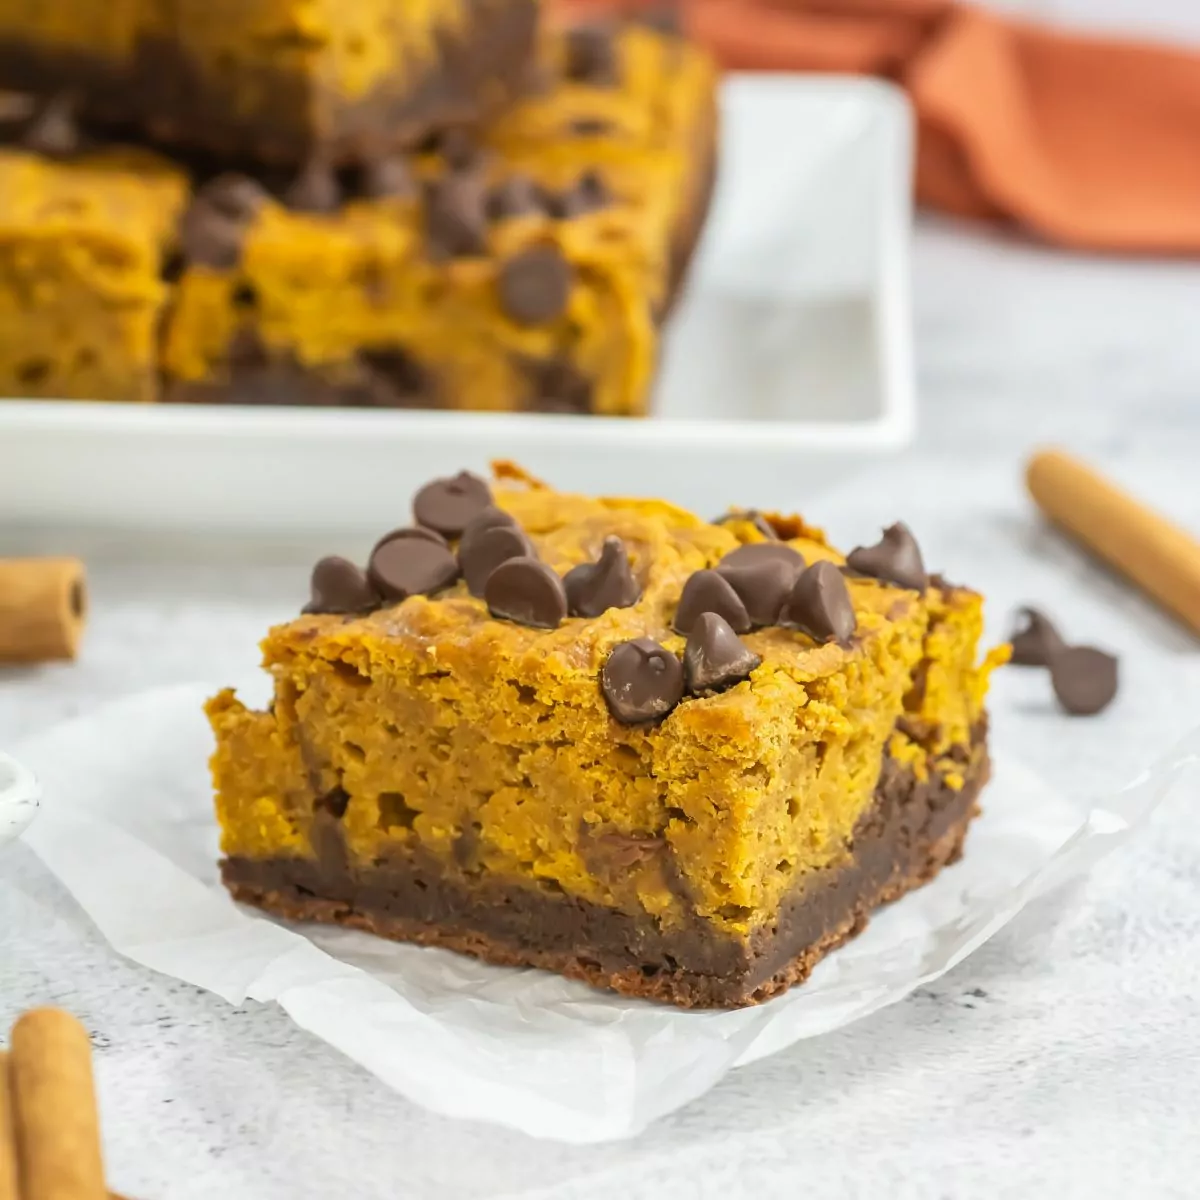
point(1089, 142)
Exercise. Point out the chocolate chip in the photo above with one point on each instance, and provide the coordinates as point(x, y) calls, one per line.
point(589, 194)
point(894, 559)
point(456, 215)
point(590, 126)
point(340, 586)
point(334, 803)
point(710, 592)
point(528, 592)
point(820, 605)
point(615, 852)
point(1038, 642)
point(715, 657)
point(488, 518)
point(557, 385)
point(535, 285)
point(762, 574)
point(486, 550)
point(594, 588)
point(448, 505)
point(1084, 679)
point(209, 238)
point(412, 531)
point(641, 681)
point(753, 517)
point(591, 55)
point(458, 148)
point(53, 130)
point(235, 196)
point(517, 196)
point(388, 178)
point(411, 566)
point(315, 189)
point(756, 552)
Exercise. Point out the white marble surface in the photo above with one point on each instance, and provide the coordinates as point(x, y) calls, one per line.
point(1063, 1059)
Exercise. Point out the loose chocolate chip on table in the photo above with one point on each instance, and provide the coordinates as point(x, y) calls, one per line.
point(535, 285)
point(486, 550)
point(449, 505)
point(715, 657)
point(894, 559)
point(340, 586)
point(710, 592)
point(755, 518)
point(591, 52)
point(387, 177)
point(411, 566)
point(594, 588)
point(1084, 679)
point(528, 592)
point(517, 196)
point(820, 605)
point(641, 681)
point(232, 195)
point(1036, 644)
point(53, 130)
point(762, 574)
point(315, 189)
point(456, 215)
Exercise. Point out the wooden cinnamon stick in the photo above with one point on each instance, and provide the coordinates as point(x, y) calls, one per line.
point(1146, 548)
point(58, 1126)
point(43, 607)
point(8, 1134)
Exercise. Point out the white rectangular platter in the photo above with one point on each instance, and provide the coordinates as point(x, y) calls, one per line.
point(787, 364)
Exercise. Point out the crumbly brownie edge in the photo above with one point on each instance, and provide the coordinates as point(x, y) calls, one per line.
point(912, 830)
point(162, 94)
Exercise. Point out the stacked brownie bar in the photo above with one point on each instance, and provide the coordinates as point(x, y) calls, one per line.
point(386, 204)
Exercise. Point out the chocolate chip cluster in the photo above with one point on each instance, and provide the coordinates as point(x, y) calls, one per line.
point(758, 584)
point(494, 557)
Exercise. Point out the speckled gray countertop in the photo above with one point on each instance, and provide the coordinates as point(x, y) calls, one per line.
point(1063, 1059)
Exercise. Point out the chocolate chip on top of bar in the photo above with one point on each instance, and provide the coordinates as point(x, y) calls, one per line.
point(715, 657)
point(896, 558)
point(594, 588)
point(762, 574)
point(819, 604)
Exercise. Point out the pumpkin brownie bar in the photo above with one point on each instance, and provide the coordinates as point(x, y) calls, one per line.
point(274, 79)
point(527, 271)
point(674, 758)
point(82, 248)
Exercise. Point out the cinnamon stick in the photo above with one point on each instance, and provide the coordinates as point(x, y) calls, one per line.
point(8, 1134)
point(58, 1126)
point(1146, 548)
point(43, 607)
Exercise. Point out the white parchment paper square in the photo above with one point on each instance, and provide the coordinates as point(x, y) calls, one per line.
point(127, 826)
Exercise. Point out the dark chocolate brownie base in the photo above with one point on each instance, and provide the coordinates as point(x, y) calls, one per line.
point(161, 94)
point(911, 832)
